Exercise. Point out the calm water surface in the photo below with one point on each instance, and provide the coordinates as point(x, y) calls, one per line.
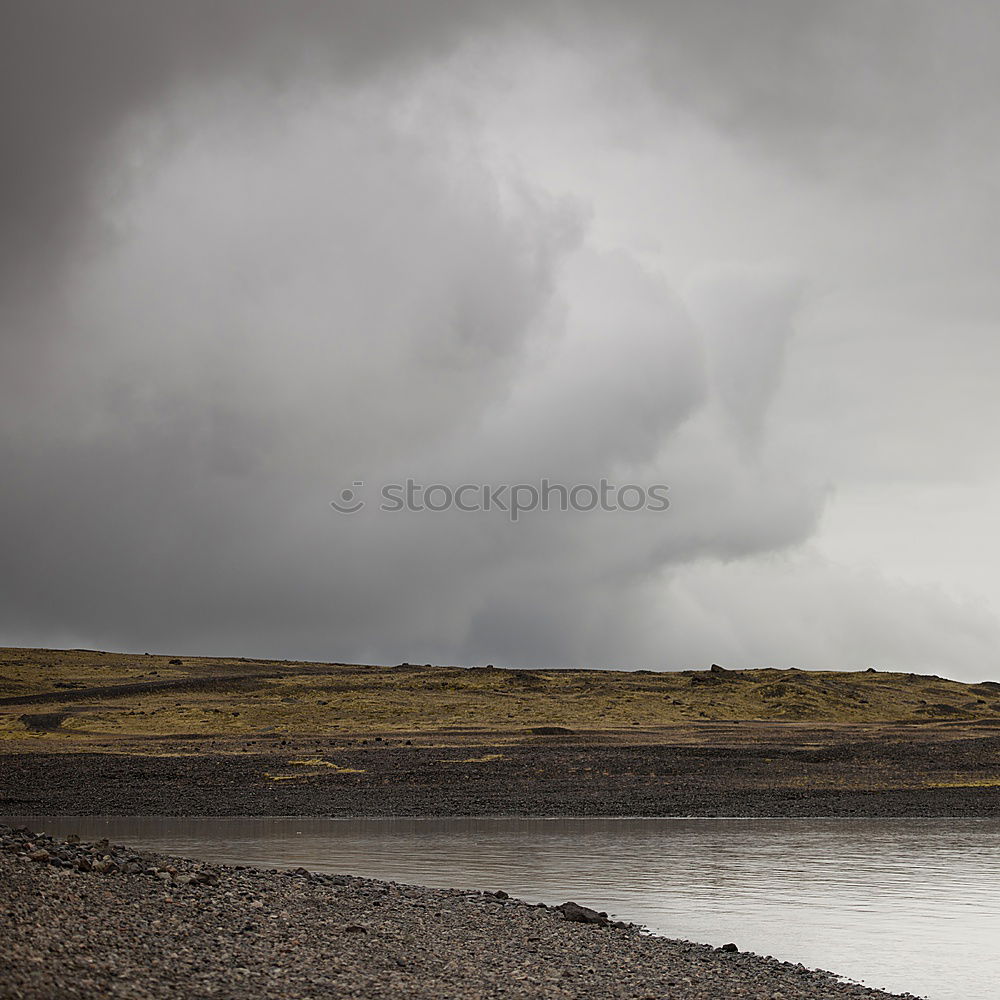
point(905, 905)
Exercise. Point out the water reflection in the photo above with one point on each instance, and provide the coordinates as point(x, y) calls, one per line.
point(908, 905)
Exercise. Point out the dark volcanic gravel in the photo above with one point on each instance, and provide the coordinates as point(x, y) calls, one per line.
point(399, 780)
point(85, 920)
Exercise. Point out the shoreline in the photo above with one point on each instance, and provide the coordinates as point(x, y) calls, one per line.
point(88, 920)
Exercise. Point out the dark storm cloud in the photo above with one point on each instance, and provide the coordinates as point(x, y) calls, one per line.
point(72, 73)
point(201, 408)
point(252, 253)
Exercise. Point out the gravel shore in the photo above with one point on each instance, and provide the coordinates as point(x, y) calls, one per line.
point(862, 778)
point(98, 920)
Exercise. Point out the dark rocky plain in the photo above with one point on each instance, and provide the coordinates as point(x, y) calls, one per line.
point(82, 920)
point(873, 776)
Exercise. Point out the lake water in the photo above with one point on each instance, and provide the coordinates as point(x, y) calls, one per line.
point(904, 905)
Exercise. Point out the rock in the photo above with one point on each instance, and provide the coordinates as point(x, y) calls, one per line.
point(729, 947)
point(709, 678)
point(104, 867)
point(581, 914)
point(41, 855)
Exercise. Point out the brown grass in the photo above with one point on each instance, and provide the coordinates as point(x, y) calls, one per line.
point(340, 700)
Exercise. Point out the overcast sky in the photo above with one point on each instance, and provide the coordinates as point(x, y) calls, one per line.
point(253, 253)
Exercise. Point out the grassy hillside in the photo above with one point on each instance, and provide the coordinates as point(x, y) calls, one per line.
point(67, 697)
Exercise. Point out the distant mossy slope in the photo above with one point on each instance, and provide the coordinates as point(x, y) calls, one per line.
point(66, 695)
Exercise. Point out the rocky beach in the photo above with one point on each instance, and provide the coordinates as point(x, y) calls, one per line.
point(89, 920)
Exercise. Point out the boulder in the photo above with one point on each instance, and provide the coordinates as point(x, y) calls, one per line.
point(582, 914)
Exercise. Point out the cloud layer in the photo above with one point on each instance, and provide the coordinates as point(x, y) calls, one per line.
point(254, 257)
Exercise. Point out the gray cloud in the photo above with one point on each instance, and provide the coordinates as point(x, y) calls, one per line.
point(72, 75)
point(253, 254)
